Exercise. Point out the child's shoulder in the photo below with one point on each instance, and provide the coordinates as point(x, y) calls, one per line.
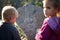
point(45, 20)
point(53, 22)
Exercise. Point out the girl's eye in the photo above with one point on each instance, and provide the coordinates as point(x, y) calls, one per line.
point(48, 7)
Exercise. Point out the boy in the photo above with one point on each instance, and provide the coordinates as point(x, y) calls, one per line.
point(7, 30)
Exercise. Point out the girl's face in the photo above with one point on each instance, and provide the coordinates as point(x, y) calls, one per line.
point(48, 9)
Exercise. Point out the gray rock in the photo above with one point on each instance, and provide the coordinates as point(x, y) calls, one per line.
point(30, 19)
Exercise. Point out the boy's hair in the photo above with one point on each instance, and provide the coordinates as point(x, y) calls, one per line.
point(8, 12)
point(56, 3)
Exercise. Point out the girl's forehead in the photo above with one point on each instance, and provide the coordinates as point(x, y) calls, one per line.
point(48, 3)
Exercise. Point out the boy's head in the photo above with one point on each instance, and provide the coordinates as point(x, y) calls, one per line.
point(51, 7)
point(9, 14)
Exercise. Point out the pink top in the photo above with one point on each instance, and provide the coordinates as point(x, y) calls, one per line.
point(49, 30)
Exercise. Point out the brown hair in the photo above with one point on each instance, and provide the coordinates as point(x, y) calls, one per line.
point(56, 3)
point(8, 12)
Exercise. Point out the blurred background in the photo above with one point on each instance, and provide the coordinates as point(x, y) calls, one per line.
point(19, 3)
point(30, 15)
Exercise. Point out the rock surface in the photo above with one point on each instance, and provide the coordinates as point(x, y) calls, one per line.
point(30, 19)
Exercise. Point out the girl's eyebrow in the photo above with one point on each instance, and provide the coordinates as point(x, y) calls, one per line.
point(46, 7)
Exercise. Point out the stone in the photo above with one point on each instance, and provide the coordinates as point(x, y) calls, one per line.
point(30, 19)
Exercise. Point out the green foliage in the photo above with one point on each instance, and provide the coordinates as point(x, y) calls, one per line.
point(37, 3)
point(19, 3)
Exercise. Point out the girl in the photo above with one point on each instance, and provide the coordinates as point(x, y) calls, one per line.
point(50, 29)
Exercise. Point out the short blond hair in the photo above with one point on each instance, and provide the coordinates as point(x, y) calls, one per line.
point(8, 12)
